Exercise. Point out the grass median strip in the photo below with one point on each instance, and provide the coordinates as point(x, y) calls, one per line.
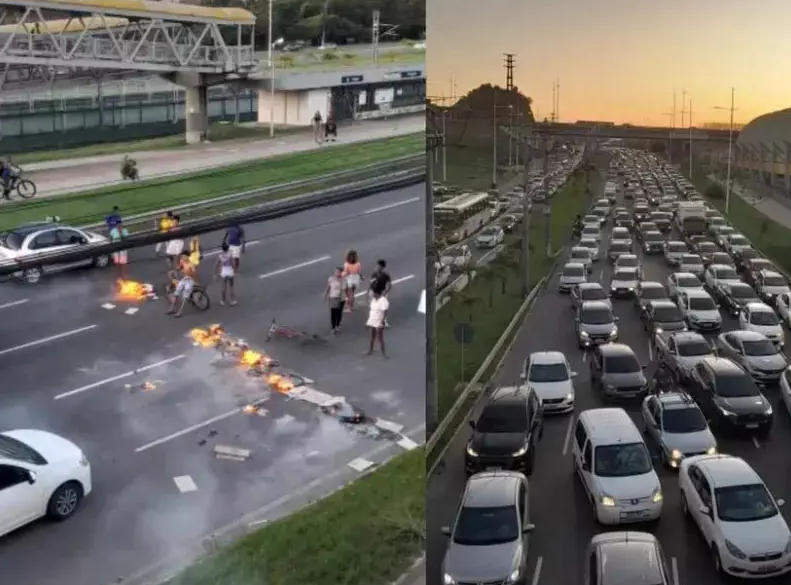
point(365, 534)
point(92, 206)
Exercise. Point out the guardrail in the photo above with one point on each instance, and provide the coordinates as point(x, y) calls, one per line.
point(463, 280)
point(256, 213)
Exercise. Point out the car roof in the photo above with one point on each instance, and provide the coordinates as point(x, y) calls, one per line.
point(747, 335)
point(589, 285)
point(686, 336)
point(506, 394)
point(547, 357)
point(609, 349)
point(491, 489)
point(675, 400)
point(651, 284)
point(720, 266)
point(683, 274)
point(579, 265)
point(622, 256)
point(662, 303)
point(629, 558)
point(604, 305)
point(771, 273)
point(607, 422)
point(727, 470)
point(722, 365)
point(759, 307)
point(669, 242)
point(697, 294)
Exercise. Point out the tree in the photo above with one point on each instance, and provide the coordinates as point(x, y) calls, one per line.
point(714, 191)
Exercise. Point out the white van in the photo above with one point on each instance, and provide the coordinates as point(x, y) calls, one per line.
point(615, 468)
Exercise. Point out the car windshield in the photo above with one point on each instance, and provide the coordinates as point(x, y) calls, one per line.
point(707, 247)
point(667, 314)
point(619, 246)
point(16, 450)
point(721, 258)
point(764, 318)
point(715, 221)
point(640, 209)
point(726, 230)
point(676, 247)
point(688, 282)
point(486, 526)
point(623, 460)
point(739, 241)
point(573, 271)
point(624, 276)
point(590, 230)
point(12, 240)
point(757, 265)
point(593, 294)
point(548, 373)
point(653, 292)
point(588, 244)
point(502, 418)
point(744, 503)
point(761, 347)
point(702, 304)
point(736, 385)
point(748, 254)
point(689, 259)
point(628, 262)
point(743, 292)
point(581, 254)
point(622, 364)
point(652, 237)
point(775, 281)
point(591, 219)
point(596, 316)
point(683, 420)
point(490, 231)
point(726, 274)
point(694, 348)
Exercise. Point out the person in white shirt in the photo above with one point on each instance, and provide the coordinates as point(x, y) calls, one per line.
point(377, 317)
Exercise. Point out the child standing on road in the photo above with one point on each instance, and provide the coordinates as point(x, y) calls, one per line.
point(377, 315)
point(225, 270)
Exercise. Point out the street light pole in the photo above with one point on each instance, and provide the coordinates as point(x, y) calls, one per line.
point(432, 398)
point(271, 71)
point(527, 207)
point(732, 109)
point(494, 138)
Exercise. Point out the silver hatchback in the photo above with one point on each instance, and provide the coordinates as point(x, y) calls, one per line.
point(489, 539)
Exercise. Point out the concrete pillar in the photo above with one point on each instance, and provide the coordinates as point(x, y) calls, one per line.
point(787, 170)
point(197, 114)
point(777, 178)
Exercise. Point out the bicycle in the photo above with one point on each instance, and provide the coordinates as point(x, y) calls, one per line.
point(276, 330)
point(25, 188)
point(198, 297)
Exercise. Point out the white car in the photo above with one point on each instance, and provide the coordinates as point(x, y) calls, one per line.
point(457, 257)
point(442, 275)
point(783, 304)
point(682, 282)
point(592, 221)
point(736, 242)
point(761, 318)
point(629, 261)
point(717, 274)
point(737, 516)
point(624, 281)
point(723, 234)
point(593, 246)
point(691, 263)
point(583, 256)
point(621, 234)
point(549, 374)
point(490, 237)
point(573, 273)
point(591, 232)
point(42, 474)
point(700, 310)
point(785, 388)
point(674, 250)
point(43, 238)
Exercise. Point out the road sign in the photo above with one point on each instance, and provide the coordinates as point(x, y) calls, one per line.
point(463, 333)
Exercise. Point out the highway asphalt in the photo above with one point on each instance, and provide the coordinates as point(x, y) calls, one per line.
point(64, 357)
point(564, 525)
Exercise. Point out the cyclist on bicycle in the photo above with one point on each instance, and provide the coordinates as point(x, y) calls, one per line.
point(183, 291)
point(352, 275)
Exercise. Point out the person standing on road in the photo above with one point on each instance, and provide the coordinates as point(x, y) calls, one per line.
point(317, 127)
point(174, 247)
point(377, 316)
point(119, 233)
point(166, 223)
point(334, 296)
point(113, 218)
point(226, 273)
point(235, 238)
point(352, 276)
point(380, 279)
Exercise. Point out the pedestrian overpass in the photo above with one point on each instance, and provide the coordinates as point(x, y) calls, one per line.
point(193, 46)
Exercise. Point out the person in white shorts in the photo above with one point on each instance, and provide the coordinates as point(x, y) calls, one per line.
point(235, 238)
point(377, 316)
point(185, 285)
point(121, 257)
point(226, 273)
point(352, 276)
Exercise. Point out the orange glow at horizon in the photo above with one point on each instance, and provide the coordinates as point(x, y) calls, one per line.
point(617, 60)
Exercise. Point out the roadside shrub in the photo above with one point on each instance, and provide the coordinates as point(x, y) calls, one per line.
point(715, 191)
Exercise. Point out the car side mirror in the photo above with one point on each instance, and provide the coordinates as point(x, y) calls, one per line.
point(472, 424)
point(528, 528)
point(523, 376)
point(31, 477)
point(705, 510)
point(586, 466)
point(617, 319)
point(446, 530)
point(780, 503)
point(644, 366)
point(574, 374)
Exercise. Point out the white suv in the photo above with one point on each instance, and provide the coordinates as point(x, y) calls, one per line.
point(700, 310)
point(737, 516)
point(761, 318)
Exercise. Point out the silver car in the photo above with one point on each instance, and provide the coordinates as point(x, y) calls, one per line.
point(674, 250)
point(595, 323)
point(588, 291)
point(677, 427)
point(583, 256)
point(593, 246)
point(490, 237)
point(681, 351)
point(489, 538)
point(757, 354)
point(624, 281)
point(572, 274)
point(693, 264)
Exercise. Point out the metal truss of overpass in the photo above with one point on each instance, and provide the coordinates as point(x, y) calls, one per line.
point(632, 132)
point(42, 40)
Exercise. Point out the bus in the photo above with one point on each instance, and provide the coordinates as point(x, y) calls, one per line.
point(460, 217)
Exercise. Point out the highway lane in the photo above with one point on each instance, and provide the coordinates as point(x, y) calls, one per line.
point(560, 510)
point(139, 440)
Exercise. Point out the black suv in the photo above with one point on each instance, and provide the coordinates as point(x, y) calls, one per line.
point(506, 432)
point(659, 316)
point(648, 291)
point(616, 373)
point(729, 397)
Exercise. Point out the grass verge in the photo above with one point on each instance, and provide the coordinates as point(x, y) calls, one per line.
point(491, 301)
point(365, 534)
point(769, 237)
point(218, 132)
point(93, 206)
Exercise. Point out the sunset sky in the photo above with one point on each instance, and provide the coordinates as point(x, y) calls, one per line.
point(617, 60)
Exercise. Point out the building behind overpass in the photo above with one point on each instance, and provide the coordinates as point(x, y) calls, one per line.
point(762, 150)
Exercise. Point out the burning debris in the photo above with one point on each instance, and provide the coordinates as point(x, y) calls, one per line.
point(343, 411)
point(129, 290)
point(145, 386)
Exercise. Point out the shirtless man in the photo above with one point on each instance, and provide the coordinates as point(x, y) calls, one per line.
point(185, 285)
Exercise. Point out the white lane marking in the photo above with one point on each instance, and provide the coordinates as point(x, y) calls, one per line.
point(650, 350)
point(360, 464)
point(187, 430)
point(47, 339)
point(537, 571)
point(674, 570)
point(185, 483)
point(108, 306)
point(390, 206)
point(567, 439)
point(119, 377)
point(295, 266)
point(131, 311)
point(756, 443)
point(14, 304)
point(405, 443)
point(396, 281)
point(218, 250)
